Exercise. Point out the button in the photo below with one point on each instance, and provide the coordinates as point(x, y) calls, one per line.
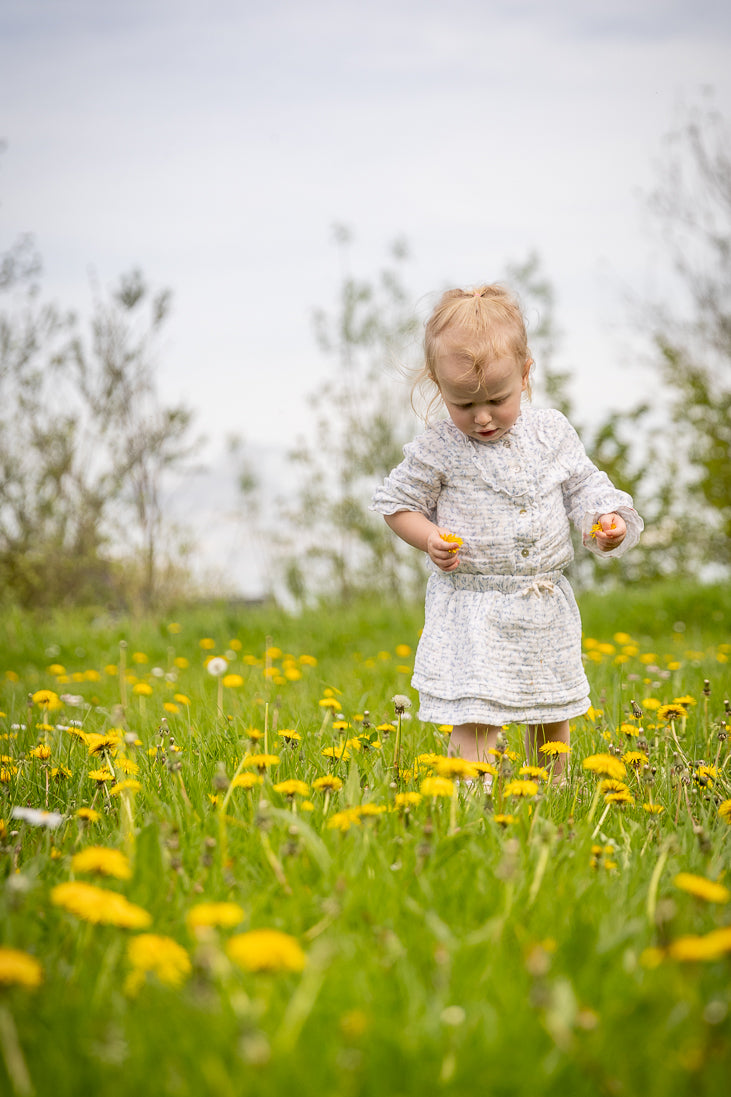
point(523, 511)
point(506, 442)
point(524, 552)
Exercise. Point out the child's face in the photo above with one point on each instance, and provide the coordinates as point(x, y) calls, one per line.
point(488, 412)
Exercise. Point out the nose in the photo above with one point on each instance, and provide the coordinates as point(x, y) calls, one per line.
point(483, 416)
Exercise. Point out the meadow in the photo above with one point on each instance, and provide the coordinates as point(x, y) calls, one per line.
point(234, 862)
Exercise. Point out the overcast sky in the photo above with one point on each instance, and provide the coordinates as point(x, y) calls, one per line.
point(214, 144)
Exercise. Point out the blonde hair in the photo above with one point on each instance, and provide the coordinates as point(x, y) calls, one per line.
point(478, 325)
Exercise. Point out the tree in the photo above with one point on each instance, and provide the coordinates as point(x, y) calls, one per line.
point(692, 335)
point(333, 544)
point(84, 439)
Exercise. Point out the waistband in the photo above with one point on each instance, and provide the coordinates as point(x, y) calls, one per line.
point(542, 583)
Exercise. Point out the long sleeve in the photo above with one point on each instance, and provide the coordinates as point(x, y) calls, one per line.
point(589, 493)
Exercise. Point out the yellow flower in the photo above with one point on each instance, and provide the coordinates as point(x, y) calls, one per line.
point(654, 809)
point(621, 797)
point(165, 958)
point(724, 810)
point(19, 969)
point(538, 773)
point(344, 820)
point(402, 650)
point(142, 689)
point(232, 681)
point(684, 701)
point(458, 769)
point(702, 888)
point(207, 644)
point(267, 950)
point(128, 785)
point(605, 764)
point(705, 775)
point(629, 729)
point(41, 752)
point(635, 758)
point(504, 820)
point(308, 660)
point(709, 947)
point(407, 799)
point(521, 788)
point(329, 702)
point(203, 915)
point(554, 747)
point(126, 765)
point(340, 751)
point(60, 772)
point(290, 735)
point(666, 713)
point(260, 761)
point(99, 906)
point(609, 784)
point(437, 786)
point(97, 744)
point(328, 783)
point(247, 780)
point(101, 775)
point(181, 698)
point(88, 815)
point(170, 706)
point(292, 787)
point(454, 539)
point(46, 698)
point(106, 862)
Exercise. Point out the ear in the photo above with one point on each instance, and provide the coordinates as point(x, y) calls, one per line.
point(526, 374)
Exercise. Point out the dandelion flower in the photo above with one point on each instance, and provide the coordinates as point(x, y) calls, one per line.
point(97, 744)
point(344, 820)
point(19, 969)
point(521, 788)
point(42, 752)
point(260, 761)
point(622, 797)
point(635, 758)
point(289, 735)
point(537, 773)
point(340, 751)
point(99, 906)
point(407, 799)
point(88, 815)
point(504, 820)
point(292, 787)
point(453, 539)
point(705, 775)
point(609, 784)
point(437, 786)
point(666, 713)
point(606, 765)
point(701, 887)
point(104, 861)
point(128, 785)
point(46, 698)
point(724, 810)
point(328, 702)
point(458, 769)
point(225, 915)
point(247, 780)
point(232, 681)
point(101, 775)
point(217, 666)
point(328, 783)
point(654, 809)
point(266, 950)
point(711, 946)
point(142, 689)
point(554, 747)
point(162, 956)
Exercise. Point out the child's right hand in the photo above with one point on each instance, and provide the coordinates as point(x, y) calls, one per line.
point(445, 554)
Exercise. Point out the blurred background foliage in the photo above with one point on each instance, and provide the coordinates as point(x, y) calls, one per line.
point(87, 441)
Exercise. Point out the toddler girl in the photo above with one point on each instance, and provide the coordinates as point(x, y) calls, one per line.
point(488, 494)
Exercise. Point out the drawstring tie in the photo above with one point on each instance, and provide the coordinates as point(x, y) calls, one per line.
point(539, 586)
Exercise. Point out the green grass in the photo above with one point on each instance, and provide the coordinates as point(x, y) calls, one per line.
point(446, 953)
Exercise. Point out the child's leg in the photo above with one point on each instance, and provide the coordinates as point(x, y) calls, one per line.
point(538, 734)
point(472, 741)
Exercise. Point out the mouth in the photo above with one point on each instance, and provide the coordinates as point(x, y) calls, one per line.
point(487, 433)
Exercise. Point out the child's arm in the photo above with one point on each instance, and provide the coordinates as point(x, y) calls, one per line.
point(417, 530)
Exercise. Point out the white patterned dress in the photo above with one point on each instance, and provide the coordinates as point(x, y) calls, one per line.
point(502, 633)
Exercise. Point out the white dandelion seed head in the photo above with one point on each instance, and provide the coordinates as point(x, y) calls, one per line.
point(37, 818)
point(217, 666)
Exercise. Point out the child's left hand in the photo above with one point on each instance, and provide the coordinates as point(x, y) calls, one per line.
point(610, 530)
